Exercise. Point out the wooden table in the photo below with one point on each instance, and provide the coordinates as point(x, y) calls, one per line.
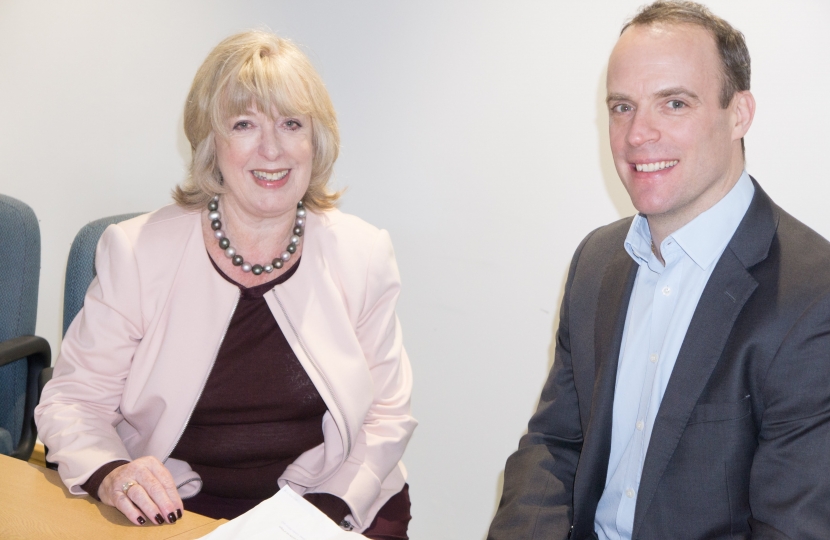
point(35, 504)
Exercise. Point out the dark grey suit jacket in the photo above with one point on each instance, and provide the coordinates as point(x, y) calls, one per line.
point(741, 443)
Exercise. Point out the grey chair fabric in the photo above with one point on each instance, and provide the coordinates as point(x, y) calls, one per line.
point(6, 444)
point(22, 355)
point(80, 268)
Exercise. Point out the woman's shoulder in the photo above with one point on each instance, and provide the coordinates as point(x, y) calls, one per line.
point(351, 245)
point(164, 221)
point(153, 245)
point(341, 227)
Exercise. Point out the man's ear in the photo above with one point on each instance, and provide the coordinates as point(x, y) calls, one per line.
point(743, 111)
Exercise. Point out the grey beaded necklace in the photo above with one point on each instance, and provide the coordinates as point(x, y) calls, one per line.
point(236, 258)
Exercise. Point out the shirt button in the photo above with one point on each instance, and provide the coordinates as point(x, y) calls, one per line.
point(640, 425)
point(653, 358)
point(629, 493)
point(666, 290)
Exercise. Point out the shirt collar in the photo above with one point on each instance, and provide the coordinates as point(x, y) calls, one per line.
point(704, 238)
point(638, 240)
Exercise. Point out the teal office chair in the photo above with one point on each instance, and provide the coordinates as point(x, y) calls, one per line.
point(80, 268)
point(23, 356)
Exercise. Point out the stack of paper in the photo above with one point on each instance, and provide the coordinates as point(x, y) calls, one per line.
point(285, 516)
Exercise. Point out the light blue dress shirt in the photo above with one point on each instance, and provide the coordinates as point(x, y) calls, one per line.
point(659, 312)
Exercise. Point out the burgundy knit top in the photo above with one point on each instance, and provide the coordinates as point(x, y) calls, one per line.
point(257, 413)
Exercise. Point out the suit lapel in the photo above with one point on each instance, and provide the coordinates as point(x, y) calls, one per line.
point(611, 311)
point(723, 298)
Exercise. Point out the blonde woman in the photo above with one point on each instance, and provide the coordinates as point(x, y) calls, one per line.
point(243, 339)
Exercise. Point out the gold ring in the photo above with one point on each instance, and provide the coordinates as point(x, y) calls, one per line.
point(126, 487)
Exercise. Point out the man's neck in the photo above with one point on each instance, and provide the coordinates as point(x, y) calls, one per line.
point(661, 226)
point(655, 248)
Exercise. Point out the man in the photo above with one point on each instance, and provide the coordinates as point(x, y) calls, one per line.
point(690, 393)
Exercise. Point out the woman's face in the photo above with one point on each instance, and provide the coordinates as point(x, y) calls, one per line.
point(265, 163)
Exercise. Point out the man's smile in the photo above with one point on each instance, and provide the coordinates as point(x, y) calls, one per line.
point(656, 166)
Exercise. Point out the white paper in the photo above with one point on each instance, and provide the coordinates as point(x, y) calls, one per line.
point(285, 516)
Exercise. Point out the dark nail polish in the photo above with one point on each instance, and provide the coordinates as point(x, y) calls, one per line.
point(141, 520)
point(179, 513)
point(159, 519)
point(171, 517)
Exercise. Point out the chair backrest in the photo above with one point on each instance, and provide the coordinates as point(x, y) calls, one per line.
point(80, 268)
point(19, 278)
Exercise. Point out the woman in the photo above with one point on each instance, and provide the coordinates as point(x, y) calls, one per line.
point(244, 339)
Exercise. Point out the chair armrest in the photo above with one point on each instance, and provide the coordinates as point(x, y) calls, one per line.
point(45, 377)
point(23, 346)
point(39, 355)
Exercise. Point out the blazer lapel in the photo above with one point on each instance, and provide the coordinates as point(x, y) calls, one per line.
point(589, 483)
point(723, 298)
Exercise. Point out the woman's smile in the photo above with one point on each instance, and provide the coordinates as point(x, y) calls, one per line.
point(271, 180)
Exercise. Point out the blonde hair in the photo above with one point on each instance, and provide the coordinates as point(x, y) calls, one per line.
point(272, 73)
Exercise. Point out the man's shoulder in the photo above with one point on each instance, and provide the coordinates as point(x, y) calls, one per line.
point(600, 249)
point(800, 236)
point(788, 259)
point(800, 253)
point(602, 243)
point(770, 235)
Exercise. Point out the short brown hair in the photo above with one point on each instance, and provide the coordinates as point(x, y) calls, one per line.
point(272, 73)
point(730, 42)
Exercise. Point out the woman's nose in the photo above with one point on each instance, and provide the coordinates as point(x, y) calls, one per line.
point(269, 144)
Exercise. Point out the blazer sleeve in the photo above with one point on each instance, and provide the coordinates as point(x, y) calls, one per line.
point(537, 497)
point(789, 487)
point(79, 407)
point(388, 424)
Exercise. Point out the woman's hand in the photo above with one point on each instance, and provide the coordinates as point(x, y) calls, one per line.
point(142, 488)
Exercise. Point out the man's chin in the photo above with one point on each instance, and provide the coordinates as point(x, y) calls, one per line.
point(649, 209)
point(651, 206)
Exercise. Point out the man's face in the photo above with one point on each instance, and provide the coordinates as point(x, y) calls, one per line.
point(676, 150)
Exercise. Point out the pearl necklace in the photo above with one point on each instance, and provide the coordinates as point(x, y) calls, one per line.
point(236, 259)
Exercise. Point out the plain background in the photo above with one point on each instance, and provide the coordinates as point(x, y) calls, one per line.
point(475, 132)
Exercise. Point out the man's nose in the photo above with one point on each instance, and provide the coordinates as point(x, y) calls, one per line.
point(642, 129)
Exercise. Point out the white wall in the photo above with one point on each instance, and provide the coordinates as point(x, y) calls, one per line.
point(473, 131)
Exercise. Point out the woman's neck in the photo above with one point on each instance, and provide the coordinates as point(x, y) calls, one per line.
point(259, 240)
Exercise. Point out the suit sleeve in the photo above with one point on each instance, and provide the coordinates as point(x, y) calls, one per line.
point(537, 498)
point(79, 408)
point(789, 489)
point(388, 424)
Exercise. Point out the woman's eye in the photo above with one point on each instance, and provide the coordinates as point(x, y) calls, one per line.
point(292, 124)
point(242, 124)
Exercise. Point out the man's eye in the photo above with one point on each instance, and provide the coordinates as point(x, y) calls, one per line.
point(621, 108)
point(676, 104)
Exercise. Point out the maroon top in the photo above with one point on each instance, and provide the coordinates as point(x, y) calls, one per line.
point(257, 413)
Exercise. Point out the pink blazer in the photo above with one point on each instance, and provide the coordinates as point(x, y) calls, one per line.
point(134, 361)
